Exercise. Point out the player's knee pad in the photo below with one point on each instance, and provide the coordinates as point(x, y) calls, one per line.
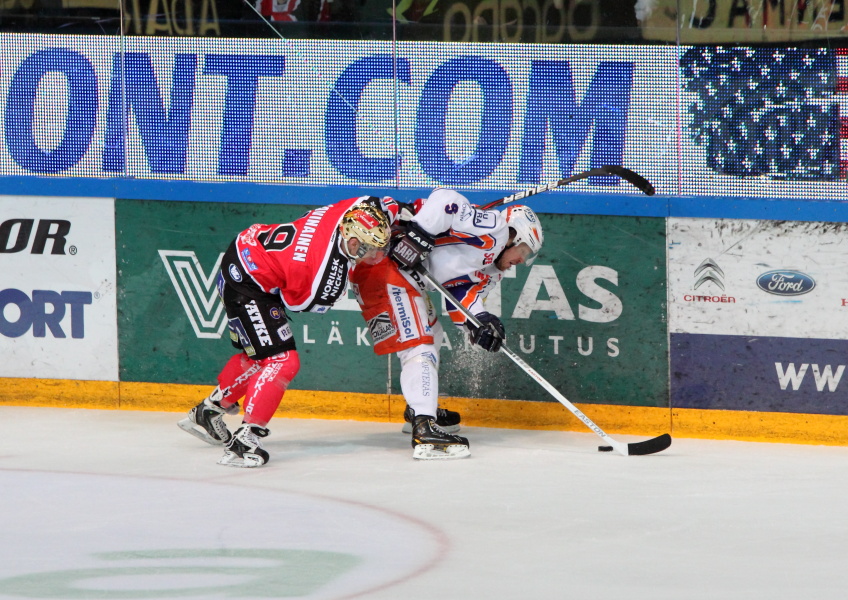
point(425, 353)
point(279, 369)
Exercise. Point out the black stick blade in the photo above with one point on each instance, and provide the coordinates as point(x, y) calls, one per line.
point(631, 177)
point(652, 446)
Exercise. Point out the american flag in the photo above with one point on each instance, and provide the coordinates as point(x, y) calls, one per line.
point(770, 111)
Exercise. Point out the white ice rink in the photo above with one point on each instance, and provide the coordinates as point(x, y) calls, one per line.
point(125, 505)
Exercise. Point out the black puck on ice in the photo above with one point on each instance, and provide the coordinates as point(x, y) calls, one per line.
point(604, 448)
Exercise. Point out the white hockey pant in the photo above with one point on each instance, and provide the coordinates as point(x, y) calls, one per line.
point(419, 376)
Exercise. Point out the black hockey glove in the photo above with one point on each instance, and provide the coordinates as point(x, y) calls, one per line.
point(491, 335)
point(405, 212)
point(412, 246)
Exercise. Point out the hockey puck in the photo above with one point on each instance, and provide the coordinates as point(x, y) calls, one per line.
point(604, 448)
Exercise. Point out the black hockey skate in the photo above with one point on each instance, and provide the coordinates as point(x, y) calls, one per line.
point(206, 420)
point(431, 442)
point(446, 419)
point(244, 450)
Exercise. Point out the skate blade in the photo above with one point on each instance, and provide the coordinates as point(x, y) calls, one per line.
point(198, 432)
point(250, 461)
point(407, 428)
point(430, 452)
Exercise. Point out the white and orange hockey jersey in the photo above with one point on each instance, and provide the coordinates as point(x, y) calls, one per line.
point(469, 241)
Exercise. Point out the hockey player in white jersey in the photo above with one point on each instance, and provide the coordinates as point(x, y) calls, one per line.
point(466, 249)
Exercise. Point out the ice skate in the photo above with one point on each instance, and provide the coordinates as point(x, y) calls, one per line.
point(446, 419)
point(431, 442)
point(244, 450)
point(206, 421)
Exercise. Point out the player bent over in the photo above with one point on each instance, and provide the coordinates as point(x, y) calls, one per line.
point(268, 270)
point(467, 250)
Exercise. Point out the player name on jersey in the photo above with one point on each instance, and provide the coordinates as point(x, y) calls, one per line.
point(305, 236)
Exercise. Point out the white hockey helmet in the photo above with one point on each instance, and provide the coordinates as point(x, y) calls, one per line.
point(369, 225)
point(527, 228)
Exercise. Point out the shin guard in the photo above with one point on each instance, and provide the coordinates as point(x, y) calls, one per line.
point(234, 378)
point(419, 378)
point(266, 388)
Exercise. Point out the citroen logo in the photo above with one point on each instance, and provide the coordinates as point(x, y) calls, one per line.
point(709, 271)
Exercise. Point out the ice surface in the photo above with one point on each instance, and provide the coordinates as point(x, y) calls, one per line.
point(117, 504)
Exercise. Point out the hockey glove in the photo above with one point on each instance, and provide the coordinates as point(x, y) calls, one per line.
point(406, 212)
point(491, 335)
point(412, 246)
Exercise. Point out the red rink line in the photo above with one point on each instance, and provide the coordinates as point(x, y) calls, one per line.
point(439, 537)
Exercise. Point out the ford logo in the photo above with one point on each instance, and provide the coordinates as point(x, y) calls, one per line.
point(785, 283)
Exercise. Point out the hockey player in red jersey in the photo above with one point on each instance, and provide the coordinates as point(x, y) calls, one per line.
point(466, 249)
point(266, 271)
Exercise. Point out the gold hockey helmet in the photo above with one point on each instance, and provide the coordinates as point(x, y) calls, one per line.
point(370, 226)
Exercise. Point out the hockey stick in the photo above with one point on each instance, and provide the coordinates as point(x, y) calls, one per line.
point(651, 446)
point(627, 175)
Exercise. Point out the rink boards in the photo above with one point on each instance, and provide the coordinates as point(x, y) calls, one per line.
point(713, 326)
point(758, 315)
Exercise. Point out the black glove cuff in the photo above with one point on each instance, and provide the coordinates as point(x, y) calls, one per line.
point(420, 237)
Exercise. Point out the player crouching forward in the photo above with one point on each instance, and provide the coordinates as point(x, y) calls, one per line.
point(467, 250)
point(268, 270)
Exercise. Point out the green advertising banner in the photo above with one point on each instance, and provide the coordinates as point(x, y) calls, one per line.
point(588, 315)
point(172, 327)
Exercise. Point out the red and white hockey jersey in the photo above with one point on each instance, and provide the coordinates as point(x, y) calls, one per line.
point(303, 261)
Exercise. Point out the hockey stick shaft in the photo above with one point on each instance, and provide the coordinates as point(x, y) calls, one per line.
point(631, 177)
point(650, 446)
point(618, 446)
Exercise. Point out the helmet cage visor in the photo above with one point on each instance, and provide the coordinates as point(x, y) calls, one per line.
point(370, 254)
point(527, 253)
